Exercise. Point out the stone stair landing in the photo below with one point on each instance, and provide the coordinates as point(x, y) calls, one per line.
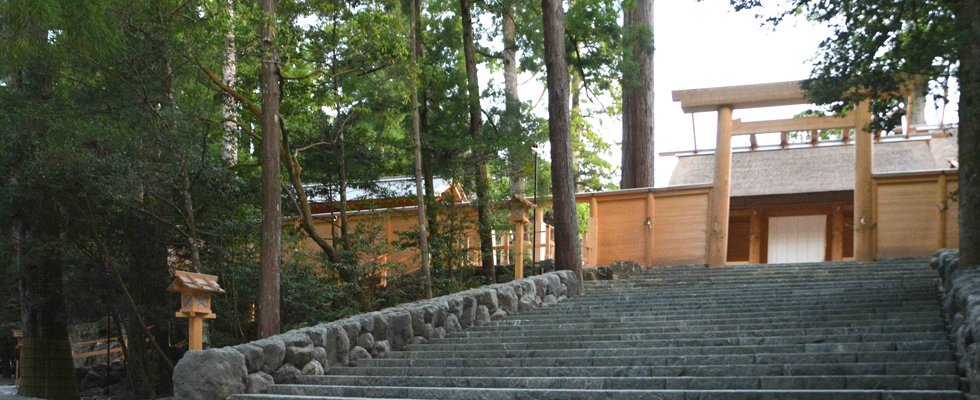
point(802, 331)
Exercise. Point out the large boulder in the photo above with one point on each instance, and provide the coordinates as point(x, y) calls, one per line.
point(399, 329)
point(452, 324)
point(359, 353)
point(366, 321)
point(487, 297)
point(352, 328)
point(381, 347)
point(287, 374)
point(312, 368)
point(366, 340)
point(273, 353)
point(482, 316)
point(468, 317)
point(320, 355)
point(254, 357)
point(213, 374)
point(418, 316)
point(527, 303)
point(506, 298)
point(299, 355)
point(258, 382)
point(540, 286)
point(380, 326)
point(337, 345)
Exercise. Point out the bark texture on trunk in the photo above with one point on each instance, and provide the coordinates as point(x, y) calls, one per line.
point(512, 101)
point(967, 14)
point(476, 131)
point(638, 146)
point(229, 73)
point(423, 235)
point(271, 247)
point(47, 371)
point(568, 251)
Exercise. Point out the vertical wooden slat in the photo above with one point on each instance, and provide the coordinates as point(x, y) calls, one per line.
point(837, 240)
point(593, 232)
point(649, 251)
point(755, 238)
point(539, 233)
point(941, 212)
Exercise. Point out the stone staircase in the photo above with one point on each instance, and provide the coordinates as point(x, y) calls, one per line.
point(802, 331)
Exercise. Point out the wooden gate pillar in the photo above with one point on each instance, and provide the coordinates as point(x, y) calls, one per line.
point(718, 247)
point(864, 220)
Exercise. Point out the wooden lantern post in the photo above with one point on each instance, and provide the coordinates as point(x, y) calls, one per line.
point(20, 354)
point(195, 303)
point(518, 217)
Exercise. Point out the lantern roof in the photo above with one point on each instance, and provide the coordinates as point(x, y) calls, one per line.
point(194, 281)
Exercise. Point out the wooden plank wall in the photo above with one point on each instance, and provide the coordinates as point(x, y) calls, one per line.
point(679, 223)
point(618, 226)
point(914, 214)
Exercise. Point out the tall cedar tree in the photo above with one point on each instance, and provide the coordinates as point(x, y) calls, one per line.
point(568, 252)
point(638, 145)
point(476, 131)
point(46, 370)
point(423, 236)
point(271, 248)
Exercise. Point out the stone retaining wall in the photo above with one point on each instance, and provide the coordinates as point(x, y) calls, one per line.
point(961, 307)
point(215, 374)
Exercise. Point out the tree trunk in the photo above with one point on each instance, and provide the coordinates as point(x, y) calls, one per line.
point(47, 371)
point(229, 73)
point(967, 13)
point(568, 251)
point(638, 146)
point(512, 101)
point(423, 236)
point(576, 127)
point(476, 131)
point(271, 247)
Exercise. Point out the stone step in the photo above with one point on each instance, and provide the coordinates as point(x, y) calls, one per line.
point(935, 325)
point(734, 317)
point(761, 291)
point(813, 348)
point(305, 392)
point(730, 341)
point(721, 292)
point(612, 286)
point(464, 337)
point(760, 306)
point(858, 294)
point(850, 369)
point(880, 382)
point(892, 319)
point(717, 324)
point(650, 360)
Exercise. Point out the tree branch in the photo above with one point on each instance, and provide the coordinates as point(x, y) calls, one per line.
point(320, 72)
point(232, 92)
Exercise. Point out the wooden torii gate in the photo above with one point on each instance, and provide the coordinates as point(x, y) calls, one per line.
point(725, 100)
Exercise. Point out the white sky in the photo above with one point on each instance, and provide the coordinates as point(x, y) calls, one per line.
point(702, 45)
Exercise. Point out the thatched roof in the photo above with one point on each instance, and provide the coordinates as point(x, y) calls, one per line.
point(813, 169)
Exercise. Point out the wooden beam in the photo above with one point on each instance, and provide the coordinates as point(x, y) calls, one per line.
point(783, 139)
point(739, 97)
point(864, 223)
point(718, 247)
point(752, 142)
point(814, 137)
point(539, 232)
point(793, 124)
point(649, 250)
point(837, 240)
point(519, 251)
point(755, 238)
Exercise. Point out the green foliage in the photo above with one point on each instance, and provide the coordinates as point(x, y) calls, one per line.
point(877, 46)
